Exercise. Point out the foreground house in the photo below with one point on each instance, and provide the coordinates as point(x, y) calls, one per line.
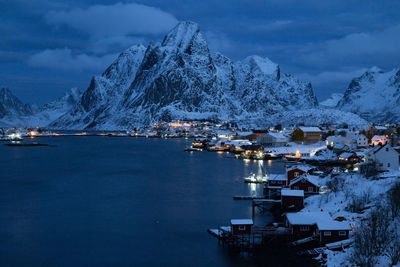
point(319, 225)
point(307, 134)
point(385, 157)
point(332, 231)
point(241, 226)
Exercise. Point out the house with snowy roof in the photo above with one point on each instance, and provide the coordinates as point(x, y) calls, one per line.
point(379, 140)
point(360, 141)
point(306, 182)
point(292, 172)
point(348, 157)
point(307, 134)
point(273, 139)
point(385, 157)
point(331, 141)
point(319, 225)
point(292, 199)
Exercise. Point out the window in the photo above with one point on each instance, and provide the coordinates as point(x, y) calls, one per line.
point(388, 165)
point(242, 227)
point(296, 174)
point(304, 228)
point(327, 233)
point(296, 188)
point(310, 189)
point(342, 233)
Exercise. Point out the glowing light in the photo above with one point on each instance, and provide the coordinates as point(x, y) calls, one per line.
point(298, 155)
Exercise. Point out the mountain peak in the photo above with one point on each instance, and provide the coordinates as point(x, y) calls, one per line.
point(264, 65)
point(182, 35)
point(374, 69)
point(4, 92)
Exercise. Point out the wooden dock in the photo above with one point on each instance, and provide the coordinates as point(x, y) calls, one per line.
point(259, 236)
point(247, 197)
point(263, 204)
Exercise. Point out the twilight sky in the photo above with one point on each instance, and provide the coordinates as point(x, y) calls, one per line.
point(49, 46)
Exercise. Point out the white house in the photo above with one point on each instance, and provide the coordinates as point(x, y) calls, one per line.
point(379, 140)
point(273, 139)
point(360, 140)
point(385, 157)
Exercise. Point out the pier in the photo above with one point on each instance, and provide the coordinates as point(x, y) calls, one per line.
point(259, 236)
point(263, 204)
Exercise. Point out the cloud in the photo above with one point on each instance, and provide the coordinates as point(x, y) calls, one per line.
point(271, 26)
point(115, 20)
point(345, 75)
point(219, 42)
point(356, 49)
point(63, 59)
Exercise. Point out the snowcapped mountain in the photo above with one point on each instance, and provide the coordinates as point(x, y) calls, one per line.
point(375, 96)
point(180, 78)
point(11, 106)
point(331, 101)
point(13, 113)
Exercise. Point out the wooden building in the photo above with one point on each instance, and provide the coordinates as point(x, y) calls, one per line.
point(319, 225)
point(306, 182)
point(332, 231)
point(241, 226)
point(304, 224)
point(292, 199)
point(307, 134)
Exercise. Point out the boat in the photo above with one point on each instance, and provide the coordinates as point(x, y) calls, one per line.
point(25, 144)
point(256, 179)
point(193, 149)
point(14, 137)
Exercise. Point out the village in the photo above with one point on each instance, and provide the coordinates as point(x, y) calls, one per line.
point(319, 161)
point(316, 160)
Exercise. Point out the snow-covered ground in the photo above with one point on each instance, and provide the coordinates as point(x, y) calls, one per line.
point(351, 187)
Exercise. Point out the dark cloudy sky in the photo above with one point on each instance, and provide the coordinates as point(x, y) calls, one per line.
point(49, 46)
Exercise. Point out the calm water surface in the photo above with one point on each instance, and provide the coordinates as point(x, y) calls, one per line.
point(119, 201)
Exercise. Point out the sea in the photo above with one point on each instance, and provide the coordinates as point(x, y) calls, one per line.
point(123, 201)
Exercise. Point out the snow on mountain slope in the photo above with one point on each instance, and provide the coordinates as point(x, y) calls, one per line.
point(102, 99)
point(375, 96)
point(16, 114)
point(11, 106)
point(180, 79)
point(331, 101)
point(317, 116)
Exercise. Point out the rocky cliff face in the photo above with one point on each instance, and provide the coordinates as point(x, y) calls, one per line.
point(14, 113)
point(180, 78)
point(11, 106)
point(375, 96)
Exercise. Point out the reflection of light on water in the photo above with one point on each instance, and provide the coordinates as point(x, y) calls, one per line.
point(253, 188)
point(246, 162)
point(269, 162)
